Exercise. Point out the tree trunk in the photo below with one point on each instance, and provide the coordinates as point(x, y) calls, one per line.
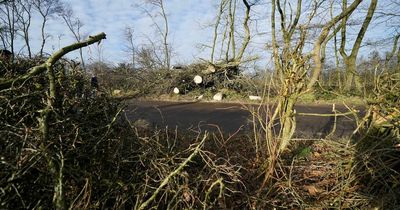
point(288, 121)
point(43, 36)
point(358, 83)
point(167, 59)
point(247, 37)
point(221, 10)
point(349, 75)
point(398, 60)
point(232, 13)
point(351, 66)
point(352, 77)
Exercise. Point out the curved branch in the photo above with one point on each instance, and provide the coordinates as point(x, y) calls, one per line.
point(52, 60)
point(321, 39)
point(364, 27)
point(167, 179)
point(247, 31)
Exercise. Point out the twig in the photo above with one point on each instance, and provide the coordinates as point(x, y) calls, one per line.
point(58, 197)
point(80, 193)
point(334, 122)
point(326, 115)
point(221, 189)
point(172, 174)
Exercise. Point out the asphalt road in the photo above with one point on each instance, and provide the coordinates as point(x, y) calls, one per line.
point(231, 118)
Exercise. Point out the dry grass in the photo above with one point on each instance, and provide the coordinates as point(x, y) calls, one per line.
point(94, 158)
point(326, 174)
point(107, 162)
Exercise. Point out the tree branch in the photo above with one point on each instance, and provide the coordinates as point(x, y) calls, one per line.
point(166, 180)
point(52, 60)
point(322, 37)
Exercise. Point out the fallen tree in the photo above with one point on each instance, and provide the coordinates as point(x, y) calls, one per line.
point(229, 66)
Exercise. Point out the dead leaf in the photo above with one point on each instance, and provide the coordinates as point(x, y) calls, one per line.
point(187, 196)
point(317, 155)
point(317, 173)
point(312, 190)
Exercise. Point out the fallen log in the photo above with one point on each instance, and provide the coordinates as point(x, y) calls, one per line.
point(230, 67)
point(198, 79)
point(176, 90)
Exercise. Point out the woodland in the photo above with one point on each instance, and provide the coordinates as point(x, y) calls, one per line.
point(66, 141)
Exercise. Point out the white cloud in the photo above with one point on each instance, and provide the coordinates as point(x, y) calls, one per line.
point(112, 17)
point(187, 19)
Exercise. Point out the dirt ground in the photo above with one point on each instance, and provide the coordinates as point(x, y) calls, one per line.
point(231, 118)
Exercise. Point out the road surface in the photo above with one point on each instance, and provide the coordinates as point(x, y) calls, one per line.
point(231, 118)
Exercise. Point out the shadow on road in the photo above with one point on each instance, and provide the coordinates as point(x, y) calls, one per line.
point(231, 118)
point(177, 104)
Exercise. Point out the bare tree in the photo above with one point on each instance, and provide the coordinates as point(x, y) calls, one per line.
point(145, 59)
point(131, 45)
point(335, 44)
point(246, 27)
point(232, 58)
point(290, 64)
point(293, 66)
point(24, 23)
point(231, 36)
point(217, 23)
point(74, 25)
point(389, 14)
point(390, 17)
point(350, 60)
point(390, 54)
point(9, 19)
point(162, 29)
point(46, 9)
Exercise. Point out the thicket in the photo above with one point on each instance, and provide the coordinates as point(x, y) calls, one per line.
point(239, 84)
point(95, 157)
point(144, 82)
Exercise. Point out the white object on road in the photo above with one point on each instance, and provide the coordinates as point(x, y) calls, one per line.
point(176, 90)
point(255, 98)
point(199, 97)
point(198, 79)
point(218, 96)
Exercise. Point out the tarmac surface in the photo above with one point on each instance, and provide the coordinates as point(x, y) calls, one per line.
point(232, 118)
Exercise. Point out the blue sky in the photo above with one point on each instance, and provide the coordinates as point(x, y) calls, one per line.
point(187, 24)
point(189, 21)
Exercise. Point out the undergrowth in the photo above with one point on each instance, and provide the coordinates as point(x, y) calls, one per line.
point(105, 161)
